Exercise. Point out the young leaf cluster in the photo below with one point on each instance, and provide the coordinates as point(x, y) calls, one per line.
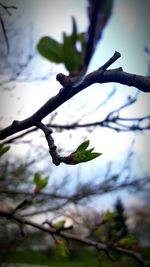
point(82, 154)
point(40, 182)
point(67, 52)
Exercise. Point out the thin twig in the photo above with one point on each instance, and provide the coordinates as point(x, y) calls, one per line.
point(4, 33)
point(110, 61)
point(6, 8)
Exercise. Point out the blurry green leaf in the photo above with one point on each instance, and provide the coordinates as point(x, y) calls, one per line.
point(40, 182)
point(37, 178)
point(62, 248)
point(59, 225)
point(71, 56)
point(44, 182)
point(67, 52)
point(127, 241)
point(103, 238)
point(3, 149)
point(50, 49)
point(83, 145)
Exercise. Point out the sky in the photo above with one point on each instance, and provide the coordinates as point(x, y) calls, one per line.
point(127, 32)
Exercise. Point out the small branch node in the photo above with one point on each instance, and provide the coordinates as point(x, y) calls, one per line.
point(15, 123)
point(64, 80)
point(70, 81)
point(51, 144)
point(110, 61)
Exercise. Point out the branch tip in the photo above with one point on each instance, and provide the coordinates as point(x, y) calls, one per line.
point(64, 80)
point(110, 61)
point(117, 54)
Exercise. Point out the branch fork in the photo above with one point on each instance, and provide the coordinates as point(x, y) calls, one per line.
point(71, 82)
point(69, 89)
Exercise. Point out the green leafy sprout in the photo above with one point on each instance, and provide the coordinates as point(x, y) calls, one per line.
point(66, 52)
point(82, 154)
point(61, 248)
point(59, 225)
point(40, 182)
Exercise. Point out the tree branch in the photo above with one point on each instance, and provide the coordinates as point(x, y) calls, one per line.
point(52, 147)
point(69, 236)
point(6, 8)
point(86, 190)
point(66, 93)
point(116, 123)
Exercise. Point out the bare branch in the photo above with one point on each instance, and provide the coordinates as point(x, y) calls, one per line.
point(6, 8)
point(5, 33)
point(112, 122)
point(86, 190)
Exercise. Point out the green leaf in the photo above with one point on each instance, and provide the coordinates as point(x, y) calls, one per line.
point(66, 53)
point(3, 149)
point(37, 178)
point(59, 225)
point(50, 49)
point(90, 150)
point(82, 154)
point(39, 181)
point(43, 182)
point(127, 241)
point(62, 249)
point(74, 31)
point(83, 145)
point(71, 57)
point(79, 157)
point(92, 156)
